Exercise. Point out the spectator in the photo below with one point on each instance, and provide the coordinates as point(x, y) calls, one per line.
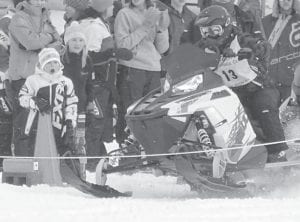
point(296, 83)
point(46, 91)
point(181, 23)
point(4, 37)
point(281, 31)
point(99, 39)
point(73, 9)
point(78, 67)
point(5, 121)
point(5, 107)
point(142, 29)
point(30, 31)
point(253, 7)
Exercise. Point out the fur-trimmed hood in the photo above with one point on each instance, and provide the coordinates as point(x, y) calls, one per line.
point(275, 11)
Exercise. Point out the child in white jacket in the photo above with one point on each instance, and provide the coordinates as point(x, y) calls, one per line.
point(48, 91)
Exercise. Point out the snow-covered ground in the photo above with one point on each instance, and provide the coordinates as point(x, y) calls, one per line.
point(154, 199)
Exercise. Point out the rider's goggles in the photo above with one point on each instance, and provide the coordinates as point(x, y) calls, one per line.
point(211, 31)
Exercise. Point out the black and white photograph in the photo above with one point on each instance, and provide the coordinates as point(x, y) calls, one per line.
point(149, 110)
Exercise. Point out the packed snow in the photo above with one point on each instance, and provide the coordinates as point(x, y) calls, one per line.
point(154, 199)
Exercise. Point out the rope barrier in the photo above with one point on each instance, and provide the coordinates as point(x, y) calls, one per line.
point(297, 140)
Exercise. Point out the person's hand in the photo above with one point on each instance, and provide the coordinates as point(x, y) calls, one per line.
point(107, 43)
point(262, 49)
point(164, 21)
point(42, 104)
point(228, 52)
point(90, 107)
point(245, 53)
point(152, 17)
point(58, 46)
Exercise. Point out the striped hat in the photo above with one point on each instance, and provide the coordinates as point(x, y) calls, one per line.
point(48, 55)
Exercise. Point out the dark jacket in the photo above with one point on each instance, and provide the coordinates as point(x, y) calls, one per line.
point(181, 27)
point(81, 78)
point(286, 51)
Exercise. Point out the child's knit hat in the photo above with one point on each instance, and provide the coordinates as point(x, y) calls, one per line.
point(48, 55)
point(74, 31)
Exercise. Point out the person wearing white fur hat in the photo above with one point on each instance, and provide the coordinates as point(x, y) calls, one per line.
point(282, 31)
point(101, 47)
point(79, 68)
point(47, 91)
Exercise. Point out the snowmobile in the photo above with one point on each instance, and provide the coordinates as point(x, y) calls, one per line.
point(196, 127)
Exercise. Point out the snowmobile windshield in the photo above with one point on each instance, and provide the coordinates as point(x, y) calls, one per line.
point(189, 85)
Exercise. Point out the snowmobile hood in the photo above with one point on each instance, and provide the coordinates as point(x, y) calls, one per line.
point(185, 66)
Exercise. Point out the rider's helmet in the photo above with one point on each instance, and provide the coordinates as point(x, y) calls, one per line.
point(213, 21)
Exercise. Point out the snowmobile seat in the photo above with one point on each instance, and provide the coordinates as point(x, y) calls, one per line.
point(20, 172)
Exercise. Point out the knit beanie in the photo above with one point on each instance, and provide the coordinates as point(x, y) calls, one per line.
point(101, 5)
point(48, 55)
point(78, 4)
point(74, 31)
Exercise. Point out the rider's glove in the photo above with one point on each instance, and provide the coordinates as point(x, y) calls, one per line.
point(245, 53)
point(262, 49)
point(228, 52)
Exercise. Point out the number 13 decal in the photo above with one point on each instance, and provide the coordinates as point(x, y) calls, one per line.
point(230, 75)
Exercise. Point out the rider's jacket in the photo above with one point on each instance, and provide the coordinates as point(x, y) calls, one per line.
point(253, 69)
point(235, 72)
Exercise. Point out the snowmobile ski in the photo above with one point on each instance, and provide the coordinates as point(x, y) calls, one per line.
point(206, 183)
point(70, 175)
point(290, 163)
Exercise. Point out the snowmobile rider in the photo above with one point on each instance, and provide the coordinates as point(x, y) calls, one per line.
point(49, 91)
point(5, 89)
point(244, 19)
point(243, 68)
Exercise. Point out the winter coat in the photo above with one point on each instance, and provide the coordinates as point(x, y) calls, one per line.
point(81, 78)
point(28, 34)
point(94, 28)
point(237, 72)
point(98, 40)
point(285, 52)
point(4, 41)
point(180, 28)
point(146, 45)
point(58, 90)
